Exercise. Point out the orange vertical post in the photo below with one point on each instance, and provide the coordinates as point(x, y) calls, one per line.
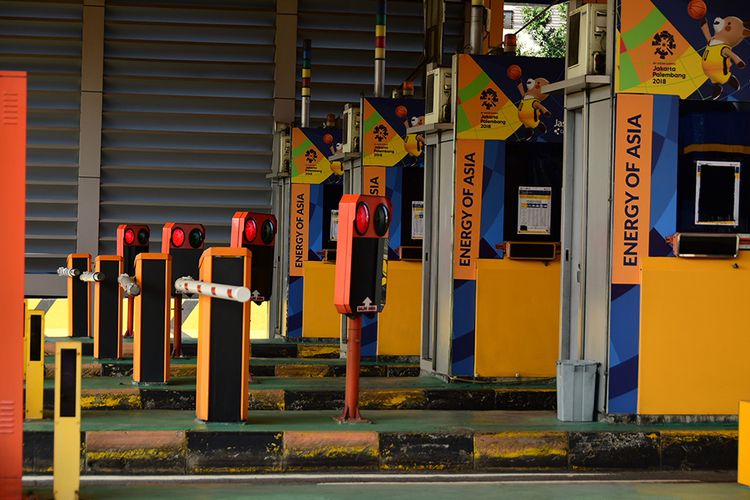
point(13, 208)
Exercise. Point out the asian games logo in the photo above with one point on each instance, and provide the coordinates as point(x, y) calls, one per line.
point(664, 43)
point(380, 133)
point(311, 157)
point(488, 99)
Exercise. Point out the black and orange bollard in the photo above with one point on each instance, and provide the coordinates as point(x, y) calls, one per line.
point(153, 274)
point(223, 334)
point(185, 244)
point(108, 308)
point(361, 277)
point(79, 294)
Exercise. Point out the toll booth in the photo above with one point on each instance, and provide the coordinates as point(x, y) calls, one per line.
point(492, 291)
point(316, 188)
point(652, 268)
point(392, 165)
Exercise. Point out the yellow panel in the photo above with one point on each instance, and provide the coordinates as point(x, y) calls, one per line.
point(518, 318)
point(319, 316)
point(743, 463)
point(259, 321)
point(56, 319)
point(34, 393)
point(400, 323)
point(694, 347)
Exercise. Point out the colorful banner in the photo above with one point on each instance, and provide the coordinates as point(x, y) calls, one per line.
point(300, 229)
point(694, 49)
point(468, 208)
point(501, 98)
point(373, 180)
point(633, 144)
point(384, 137)
point(311, 148)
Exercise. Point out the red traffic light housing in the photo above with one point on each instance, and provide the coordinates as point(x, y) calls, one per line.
point(362, 253)
point(257, 232)
point(185, 243)
point(132, 239)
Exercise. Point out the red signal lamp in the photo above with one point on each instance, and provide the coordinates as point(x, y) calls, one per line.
point(251, 230)
point(178, 237)
point(129, 236)
point(362, 218)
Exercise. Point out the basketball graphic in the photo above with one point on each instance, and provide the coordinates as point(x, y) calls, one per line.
point(401, 111)
point(514, 72)
point(697, 9)
point(328, 139)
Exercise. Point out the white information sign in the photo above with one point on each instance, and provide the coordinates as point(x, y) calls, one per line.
point(417, 220)
point(334, 225)
point(534, 209)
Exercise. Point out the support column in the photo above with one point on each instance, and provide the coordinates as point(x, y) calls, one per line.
point(89, 169)
point(284, 95)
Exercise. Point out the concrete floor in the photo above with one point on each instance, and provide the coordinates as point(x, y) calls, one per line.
point(413, 489)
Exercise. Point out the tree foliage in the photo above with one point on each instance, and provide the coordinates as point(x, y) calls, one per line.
point(548, 38)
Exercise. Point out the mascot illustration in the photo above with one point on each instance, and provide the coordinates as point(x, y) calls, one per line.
point(719, 57)
point(530, 109)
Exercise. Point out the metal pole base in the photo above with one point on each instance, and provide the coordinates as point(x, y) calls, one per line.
point(344, 418)
point(351, 414)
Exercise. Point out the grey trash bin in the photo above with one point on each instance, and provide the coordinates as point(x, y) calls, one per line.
point(576, 390)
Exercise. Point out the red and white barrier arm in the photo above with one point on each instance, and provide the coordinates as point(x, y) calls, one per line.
point(188, 285)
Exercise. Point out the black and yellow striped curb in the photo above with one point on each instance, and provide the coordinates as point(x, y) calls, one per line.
point(257, 369)
point(166, 398)
point(191, 452)
point(258, 349)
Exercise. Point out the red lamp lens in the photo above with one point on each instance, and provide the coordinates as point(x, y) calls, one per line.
point(129, 236)
point(362, 219)
point(251, 230)
point(178, 237)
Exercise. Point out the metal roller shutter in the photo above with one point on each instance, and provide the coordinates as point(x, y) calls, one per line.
point(188, 113)
point(44, 39)
point(343, 46)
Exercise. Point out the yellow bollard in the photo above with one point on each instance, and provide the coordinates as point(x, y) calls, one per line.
point(34, 363)
point(25, 330)
point(67, 451)
point(743, 460)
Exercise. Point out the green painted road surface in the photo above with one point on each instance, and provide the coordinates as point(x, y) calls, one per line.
point(417, 490)
point(424, 421)
point(307, 383)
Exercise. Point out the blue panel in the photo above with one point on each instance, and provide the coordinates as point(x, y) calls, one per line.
point(316, 222)
point(464, 321)
point(664, 174)
point(394, 191)
point(625, 314)
point(493, 200)
point(294, 307)
point(369, 336)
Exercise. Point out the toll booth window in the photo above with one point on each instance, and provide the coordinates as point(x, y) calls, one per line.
point(717, 193)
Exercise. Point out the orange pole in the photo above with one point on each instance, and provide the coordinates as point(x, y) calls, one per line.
point(13, 208)
point(351, 399)
point(177, 327)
